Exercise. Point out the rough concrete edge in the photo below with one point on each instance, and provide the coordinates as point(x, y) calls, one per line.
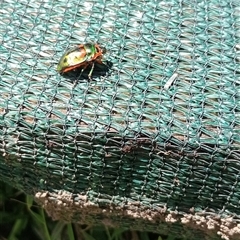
point(63, 206)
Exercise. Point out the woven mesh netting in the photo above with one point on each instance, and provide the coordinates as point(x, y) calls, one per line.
point(153, 142)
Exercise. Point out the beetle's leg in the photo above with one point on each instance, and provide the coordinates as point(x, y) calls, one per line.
point(91, 71)
point(82, 70)
point(102, 62)
point(76, 81)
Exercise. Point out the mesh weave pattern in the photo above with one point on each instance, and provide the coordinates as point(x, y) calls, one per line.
point(160, 130)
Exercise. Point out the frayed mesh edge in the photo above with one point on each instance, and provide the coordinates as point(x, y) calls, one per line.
point(133, 215)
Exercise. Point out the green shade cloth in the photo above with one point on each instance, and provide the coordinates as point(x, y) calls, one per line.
point(152, 142)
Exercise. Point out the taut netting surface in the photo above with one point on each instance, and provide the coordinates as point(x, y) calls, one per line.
point(153, 143)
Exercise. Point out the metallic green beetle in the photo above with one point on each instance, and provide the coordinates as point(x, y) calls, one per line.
point(81, 56)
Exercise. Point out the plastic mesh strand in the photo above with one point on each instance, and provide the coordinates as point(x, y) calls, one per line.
point(127, 135)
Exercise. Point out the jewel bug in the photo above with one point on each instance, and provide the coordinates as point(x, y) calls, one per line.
point(82, 56)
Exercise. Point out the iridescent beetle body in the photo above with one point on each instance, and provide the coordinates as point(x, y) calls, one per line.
point(81, 56)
